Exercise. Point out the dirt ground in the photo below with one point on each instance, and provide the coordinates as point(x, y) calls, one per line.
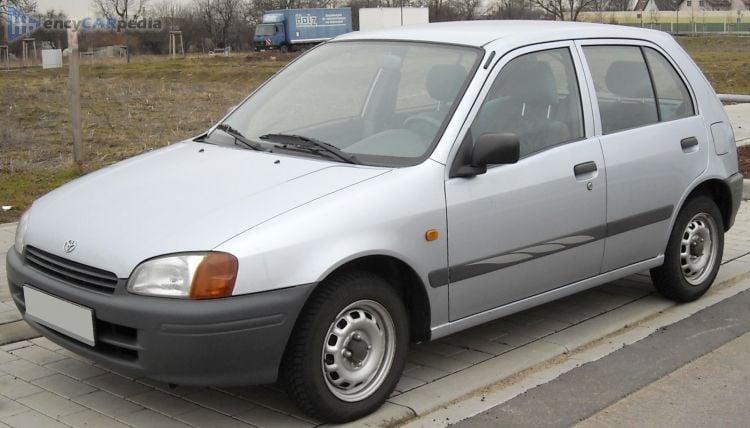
point(126, 109)
point(155, 101)
point(744, 154)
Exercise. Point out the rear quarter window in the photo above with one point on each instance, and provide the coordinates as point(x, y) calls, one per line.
point(671, 92)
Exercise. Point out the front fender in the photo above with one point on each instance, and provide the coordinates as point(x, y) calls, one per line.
point(387, 215)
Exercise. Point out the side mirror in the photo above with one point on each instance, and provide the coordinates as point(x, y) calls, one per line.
point(495, 149)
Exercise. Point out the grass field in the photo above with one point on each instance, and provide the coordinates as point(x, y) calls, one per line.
point(155, 101)
point(724, 60)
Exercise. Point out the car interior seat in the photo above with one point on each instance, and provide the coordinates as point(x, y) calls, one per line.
point(634, 103)
point(524, 102)
point(443, 82)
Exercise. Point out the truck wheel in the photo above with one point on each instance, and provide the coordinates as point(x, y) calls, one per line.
point(348, 348)
point(694, 252)
point(284, 48)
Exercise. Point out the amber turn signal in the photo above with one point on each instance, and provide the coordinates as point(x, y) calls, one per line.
point(214, 277)
point(431, 235)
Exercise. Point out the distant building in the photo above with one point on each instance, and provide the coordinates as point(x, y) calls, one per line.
point(690, 5)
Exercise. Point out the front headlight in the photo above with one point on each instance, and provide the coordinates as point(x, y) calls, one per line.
point(23, 224)
point(192, 275)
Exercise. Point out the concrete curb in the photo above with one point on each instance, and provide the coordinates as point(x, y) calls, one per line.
point(543, 373)
point(16, 331)
point(746, 189)
point(456, 387)
point(734, 98)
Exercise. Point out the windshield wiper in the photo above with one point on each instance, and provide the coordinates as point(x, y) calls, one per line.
point(239, 138)
point(310, 143)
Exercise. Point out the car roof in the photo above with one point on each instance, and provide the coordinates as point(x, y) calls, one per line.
point(480, 33)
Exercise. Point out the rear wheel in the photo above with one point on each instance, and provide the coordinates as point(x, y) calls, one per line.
point(694, 252)
point(348, 349)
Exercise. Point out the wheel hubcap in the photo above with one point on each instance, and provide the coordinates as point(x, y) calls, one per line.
point(698, 248)
point(358, 350)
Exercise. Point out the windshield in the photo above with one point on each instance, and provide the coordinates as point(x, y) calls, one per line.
point(384, 102)
point(265, 30)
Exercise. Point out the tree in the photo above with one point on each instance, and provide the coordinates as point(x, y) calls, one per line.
point(170, 11)
point(453, 10)
point(53, 38)
point(219, 17)
point(25, 6)
point(514, 9)
point(565, 10)
point(124, 11)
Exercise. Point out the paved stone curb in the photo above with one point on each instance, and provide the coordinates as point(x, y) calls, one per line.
point(15, 331)
point(540, 374)
point(746, 189)
point(450, 389)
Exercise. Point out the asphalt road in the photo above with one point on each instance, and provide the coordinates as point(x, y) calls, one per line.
point(693, 373)
point(711, 391)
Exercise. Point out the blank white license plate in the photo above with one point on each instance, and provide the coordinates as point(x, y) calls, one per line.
point(68, 318)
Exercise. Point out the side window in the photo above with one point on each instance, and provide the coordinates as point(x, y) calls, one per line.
point(536, 97)
point(671, 92)
point(623, 87)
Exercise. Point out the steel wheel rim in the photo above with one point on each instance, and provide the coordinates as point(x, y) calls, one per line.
point(358, 350)
point(698, 248)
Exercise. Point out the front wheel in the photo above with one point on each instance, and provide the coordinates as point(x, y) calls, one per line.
point(694, 252)
point(349, 347)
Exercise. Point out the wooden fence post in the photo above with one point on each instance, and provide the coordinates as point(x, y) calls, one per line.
point(75, 97)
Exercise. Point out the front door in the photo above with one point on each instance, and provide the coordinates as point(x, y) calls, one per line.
point(523, 229)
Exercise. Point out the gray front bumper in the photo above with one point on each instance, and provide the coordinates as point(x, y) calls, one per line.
point(238, 340)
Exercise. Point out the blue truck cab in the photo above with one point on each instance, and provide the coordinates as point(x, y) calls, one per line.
point(288, 29)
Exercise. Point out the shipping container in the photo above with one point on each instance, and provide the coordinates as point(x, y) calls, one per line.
point(374, 18)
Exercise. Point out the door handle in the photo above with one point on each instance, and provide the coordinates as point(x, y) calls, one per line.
point(582, 170)
point(688, 143)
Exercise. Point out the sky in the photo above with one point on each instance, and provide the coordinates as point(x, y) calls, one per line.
point(75, 9)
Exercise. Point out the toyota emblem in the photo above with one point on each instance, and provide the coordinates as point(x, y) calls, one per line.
point(70, 246)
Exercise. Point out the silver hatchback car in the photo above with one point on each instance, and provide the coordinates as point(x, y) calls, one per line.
point(386, 188)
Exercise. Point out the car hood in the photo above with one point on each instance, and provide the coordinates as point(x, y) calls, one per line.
point(185, 197)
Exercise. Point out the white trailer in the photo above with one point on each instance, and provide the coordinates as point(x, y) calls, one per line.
point(373, 18)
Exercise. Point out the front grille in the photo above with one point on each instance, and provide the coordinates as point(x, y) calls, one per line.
point(70, 272)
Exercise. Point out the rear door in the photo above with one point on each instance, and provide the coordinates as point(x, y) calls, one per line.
point(654, 143)
point(523, 229)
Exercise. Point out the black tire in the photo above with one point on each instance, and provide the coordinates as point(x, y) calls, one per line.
point(284, 49)
point(670, 279)
point(303, 366)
